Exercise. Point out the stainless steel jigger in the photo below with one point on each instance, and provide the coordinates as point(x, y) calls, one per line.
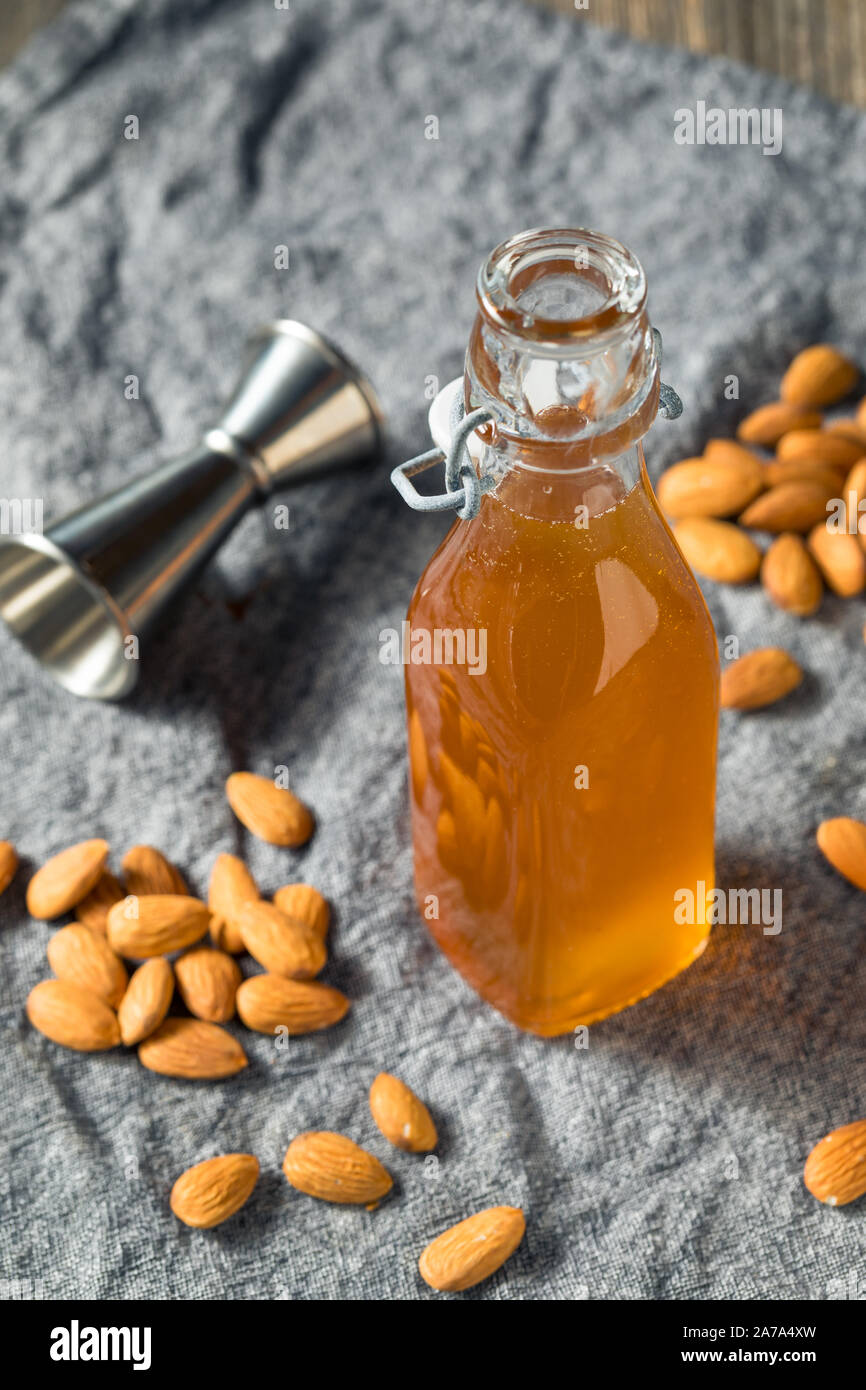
point(76, 594)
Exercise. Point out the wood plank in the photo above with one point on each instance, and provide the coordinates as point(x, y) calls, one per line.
point(821, 43)
point(18, 21)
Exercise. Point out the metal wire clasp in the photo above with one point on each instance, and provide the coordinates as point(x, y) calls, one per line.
point(458, 470)
point(464, 487)
point(670, 405)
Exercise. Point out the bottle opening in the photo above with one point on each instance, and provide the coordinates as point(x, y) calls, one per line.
point(554, 285)
point(562, 350)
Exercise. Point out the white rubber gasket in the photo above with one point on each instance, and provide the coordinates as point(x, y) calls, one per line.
point(439, 419)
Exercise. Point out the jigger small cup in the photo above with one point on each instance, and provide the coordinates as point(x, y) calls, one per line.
point(76, 594)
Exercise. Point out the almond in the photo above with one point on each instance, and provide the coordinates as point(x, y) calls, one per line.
point(8, 864)
point(404, 1120)
point(335, 1169)
point(84, 957)
point(281, 944)
point(93, 910)
point(819, 375)
point(718, 550)
point(146, 1001)
point(796, 506)
point(272, 813)
point(706, 487)
point(147, 871)
point(803, 470)
point(189, 1048)
point(835, 1170)
point(267, 1003)
point(768, 423)
point(730, 452)
point(156, 924)
point(791, 577)
point(211, 1192)
point(840, 558)
point(208, 982)
point(849, 428)
point(305, 904)
point(472, 1250)
point(819, 447)
point(232, 886)
point(759, 678)
point(72, 1016)
point(843, 842)
point(67, 878)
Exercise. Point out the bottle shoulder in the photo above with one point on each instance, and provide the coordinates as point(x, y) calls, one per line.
point(545, 586)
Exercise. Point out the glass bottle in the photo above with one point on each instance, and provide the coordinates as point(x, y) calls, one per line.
point(563, 706)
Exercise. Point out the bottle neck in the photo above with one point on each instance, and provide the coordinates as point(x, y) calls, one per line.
point(577, 495)
point(562, 354)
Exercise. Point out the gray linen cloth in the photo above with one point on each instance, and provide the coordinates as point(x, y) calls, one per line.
point(665, 1160)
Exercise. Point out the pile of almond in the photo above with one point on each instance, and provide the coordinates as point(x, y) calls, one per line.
point(92, 1004)
point(806, 497)
point(715, 502)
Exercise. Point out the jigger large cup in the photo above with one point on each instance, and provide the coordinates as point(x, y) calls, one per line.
point(76, 594)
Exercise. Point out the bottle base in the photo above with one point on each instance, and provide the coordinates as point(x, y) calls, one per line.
point(568, 1018)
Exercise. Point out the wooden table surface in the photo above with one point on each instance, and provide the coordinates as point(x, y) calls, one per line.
point(18, 19)
point(819, 42)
